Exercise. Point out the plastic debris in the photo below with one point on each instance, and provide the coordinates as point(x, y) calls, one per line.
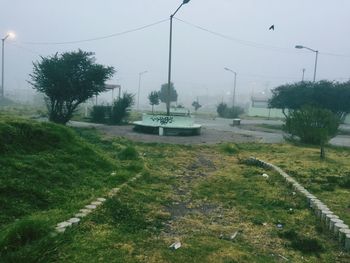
point(280, 226)
point(234, 235)
point(175, 245)
point(265, 175)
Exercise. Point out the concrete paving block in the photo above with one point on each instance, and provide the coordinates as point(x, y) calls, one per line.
point(96, 203)
point(85, 211)
point(337, 227)
point(91, 207)
point(74, 220)
point(328, 219)
point(332, 222)
point(80, 215)
point(347, 242)
point(60, 229)
point(101, 199)
point(342, 234)
point(64, 224)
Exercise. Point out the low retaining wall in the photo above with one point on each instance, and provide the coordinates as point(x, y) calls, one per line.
point(329, 221)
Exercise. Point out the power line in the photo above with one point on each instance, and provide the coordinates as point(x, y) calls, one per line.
point(253, 44)
point(97, 38)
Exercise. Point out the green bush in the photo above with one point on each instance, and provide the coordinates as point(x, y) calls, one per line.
point(100, 113)
point(228, 112)
point(119, 112)
point(312, 125)
point(129, 153)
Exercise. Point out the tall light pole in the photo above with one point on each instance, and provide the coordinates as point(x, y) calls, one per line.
point(313, 50)
point(234, 87)
point(138, 93)
point(302, 79)
point(170, 50)
point(8, 35)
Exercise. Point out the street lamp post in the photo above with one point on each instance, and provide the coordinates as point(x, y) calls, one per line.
point(8, 35)
point(234, 86)
point(316, 58)
point(138, 93)
point(170, 51)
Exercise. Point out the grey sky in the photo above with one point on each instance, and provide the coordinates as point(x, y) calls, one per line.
point(199, 57)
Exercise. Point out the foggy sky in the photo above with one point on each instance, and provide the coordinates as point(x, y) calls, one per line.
point(198, 57)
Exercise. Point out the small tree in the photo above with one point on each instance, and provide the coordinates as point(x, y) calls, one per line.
point(120, 108)
point(221, 109)
point(163, 93)
point(153, 98)
point(68, 80)
point(196, 105)
point(312, 125)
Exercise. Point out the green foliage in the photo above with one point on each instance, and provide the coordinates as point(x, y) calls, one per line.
point(21, 136)
point(229, 148)
point(100, 113)
point(228, 112)
point(120, 108)
point(196, 105)
point(128, 216)
point(128, 153)
point(333, 96)
point(312, 125)
point(163, 93)
point(22, 233)
point(153, 98)
point(304, 244)
point(68, 80)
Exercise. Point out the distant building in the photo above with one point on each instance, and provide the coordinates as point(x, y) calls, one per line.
point(259, 107)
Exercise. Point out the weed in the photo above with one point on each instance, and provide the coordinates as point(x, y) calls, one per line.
point(129, 153)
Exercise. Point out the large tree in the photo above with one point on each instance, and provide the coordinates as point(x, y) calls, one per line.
point(68, 80)
point(333, 96)
point(163, 93)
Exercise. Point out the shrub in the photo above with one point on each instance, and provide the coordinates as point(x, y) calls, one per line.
point(312, 125)
point(228, 112)
point(119, 111)
point(100, 113)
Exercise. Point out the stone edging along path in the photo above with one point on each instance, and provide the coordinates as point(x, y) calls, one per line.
point(61, 227)
point(331, 222)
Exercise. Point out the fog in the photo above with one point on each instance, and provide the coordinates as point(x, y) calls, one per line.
point(237, 37)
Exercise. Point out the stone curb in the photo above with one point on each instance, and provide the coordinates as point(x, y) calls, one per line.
point(328, 219)
point(62, 226)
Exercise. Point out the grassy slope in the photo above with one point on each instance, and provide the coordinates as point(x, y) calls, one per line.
point(48, 172)
point(199, 195)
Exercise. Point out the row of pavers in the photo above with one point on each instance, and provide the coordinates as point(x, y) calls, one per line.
point(331, 222)
point(62, 226)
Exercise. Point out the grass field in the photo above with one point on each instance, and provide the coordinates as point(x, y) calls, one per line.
point(198, 195)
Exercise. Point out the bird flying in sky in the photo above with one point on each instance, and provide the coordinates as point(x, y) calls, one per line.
point(272, 27)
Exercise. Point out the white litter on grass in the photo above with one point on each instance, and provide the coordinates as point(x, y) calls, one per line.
point(113, 173)
point(175, 245)
point(265, 175)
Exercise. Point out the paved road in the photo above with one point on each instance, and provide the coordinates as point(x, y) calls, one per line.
point(213, 131)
